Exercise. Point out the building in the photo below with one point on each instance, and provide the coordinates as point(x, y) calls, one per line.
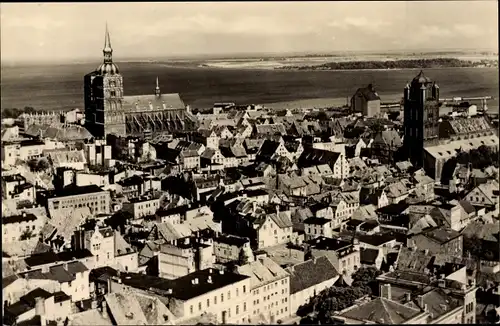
point(30, 149)
point(26, 225)
point(274, 229)
point(366, 101)
point(342, 254)
point(317, 227)
point(210, 291)
point(108, 248)
point(47, 306)
point(142, 206)
point(270, 289)
point(421, 116)
point(93, 197)
point(337, 161)
point(438, 241)
point(382, 311)
point(229, 248)
point(185, 256)
point(309, 278)
point(108, 111)
point(16, 187)
point(98, 153)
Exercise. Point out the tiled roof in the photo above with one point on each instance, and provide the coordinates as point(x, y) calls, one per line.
point(262, 271)
point(313, 156)
point(310, 273)
point(468, 125)
point(382, 311)
point(368, 93)
point(368, 255)
point(89, 317)
point(282, 219)
point(414, 260)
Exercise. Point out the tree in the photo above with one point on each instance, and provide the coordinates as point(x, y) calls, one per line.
point(119, 220)
point(43, 164)
point(33, 164)
point(27, 234)
point(243, 257)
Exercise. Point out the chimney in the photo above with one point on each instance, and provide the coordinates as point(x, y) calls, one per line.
point(65, 266)
point(221, 272)
point(278, 210)
point(24, 214)
point(420, 301)
point(407, 296)
point(314, 260)
point(103, 306)
point(209, 280)
point(39, 306)
point(186, 241)
point(426, 251)
point(426, 307)
point(386, 291)
point(93, 304)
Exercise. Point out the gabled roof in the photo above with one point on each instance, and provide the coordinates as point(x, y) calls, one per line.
point(311, 273)
point(382, 311)
point(368, 93)
point(262, 271)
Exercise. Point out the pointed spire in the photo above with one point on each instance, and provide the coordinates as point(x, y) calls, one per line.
point(107, 39)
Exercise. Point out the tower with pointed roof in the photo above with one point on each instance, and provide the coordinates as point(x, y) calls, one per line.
point(421, 116)
point(103, 93)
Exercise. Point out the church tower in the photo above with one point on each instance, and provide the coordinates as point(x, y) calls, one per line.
point(421, 116)
point(103, 93)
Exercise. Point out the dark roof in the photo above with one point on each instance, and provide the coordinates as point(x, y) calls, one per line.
point(312, 156)
point(8, 280)
point(26, 302)
point(394, 209)
point(268, 148)
point(467, 206)
point(182, 287)
point(310, 273)
point(131, 181)
point(60, 296)
point(75, 190)
point(317, 221)
point(231, 240)
point(102, 273)
point(324, 243)
point(368, 93)
point(375, 239)
point(440, 234)
point(31, 142)
point(25, 217)
point(52, 257)
point(58, 273)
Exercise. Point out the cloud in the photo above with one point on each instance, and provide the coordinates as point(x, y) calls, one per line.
point(468, 30)
point(361, 23)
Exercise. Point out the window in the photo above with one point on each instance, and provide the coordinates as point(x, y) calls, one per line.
point(199, 306)
point(237, 292)
point(191, 309)
point(229, 295)
point(222, 297)
point(244, 289)
point(215, 300)
point(208, 303)
point(237, 309)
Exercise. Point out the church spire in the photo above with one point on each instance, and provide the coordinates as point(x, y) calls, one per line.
point(108, 51)
point(157, 89)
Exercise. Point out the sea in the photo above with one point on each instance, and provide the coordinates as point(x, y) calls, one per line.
point(60, 87)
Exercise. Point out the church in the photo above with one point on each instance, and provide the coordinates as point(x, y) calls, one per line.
point(109, 111)
point(430, 141)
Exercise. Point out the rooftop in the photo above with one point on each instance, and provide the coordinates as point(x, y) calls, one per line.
point(184, 288)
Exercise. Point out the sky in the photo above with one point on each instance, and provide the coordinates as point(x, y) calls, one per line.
point(75, 31)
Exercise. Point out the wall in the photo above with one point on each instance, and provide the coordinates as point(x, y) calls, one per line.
point(299, 298)
point(275, 293)
point(270, 234)
point(226, 299)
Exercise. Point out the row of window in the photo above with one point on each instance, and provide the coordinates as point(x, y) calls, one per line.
point(469, 307)
point(191, 308)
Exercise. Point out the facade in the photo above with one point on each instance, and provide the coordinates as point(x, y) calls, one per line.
point(98, 153)
point(342, 254)
point(16, 187)
point(185, 257)
point(140, 207)
point(91, 196)
point(229, 248)
point(270, 289)
point(13, 227)
point(275, 229)
point(421, 116)
point(366, 101)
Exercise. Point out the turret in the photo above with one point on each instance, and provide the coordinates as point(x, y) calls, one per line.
point(435, 91)
point(423, 95)
point(407, 92)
